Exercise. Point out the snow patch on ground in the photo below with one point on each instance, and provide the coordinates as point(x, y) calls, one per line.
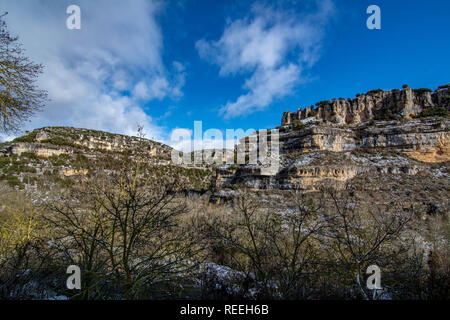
point(308, 120)
point(380, 160)
point(303, 160)
point(439, 174)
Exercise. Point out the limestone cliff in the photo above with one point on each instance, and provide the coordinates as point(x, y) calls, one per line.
point(60, 156)
point(54, 141)
point(315, 153)
point(375, 104)
point(378, 135)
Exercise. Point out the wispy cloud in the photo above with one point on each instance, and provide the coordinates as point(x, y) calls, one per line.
point(100, 76)
point(272, 47)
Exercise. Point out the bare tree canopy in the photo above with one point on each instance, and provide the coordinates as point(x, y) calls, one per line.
point(19, 96)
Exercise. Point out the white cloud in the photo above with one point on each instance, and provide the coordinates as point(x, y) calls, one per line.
point(159, 87)
point(89, 71)
point(263, 87)
point(274, 47)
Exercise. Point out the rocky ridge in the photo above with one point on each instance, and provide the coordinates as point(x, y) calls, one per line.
point(54, 141)
point(379, 134)
point(314, 151)
point(326, 154)
point(62, 155)
point(375, 104)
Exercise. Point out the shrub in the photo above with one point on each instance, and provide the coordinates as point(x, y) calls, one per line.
point(30, 137)
point(29, 155)
point(298, 125)
point(26, 169)
point(313, 113)
point(13, 168)
point(421, 91)
point(323, 102)
point(385, 115)
point(4, 161)
point(375, 91)
point(432, 112)
point(59, 142)
point(13, 181)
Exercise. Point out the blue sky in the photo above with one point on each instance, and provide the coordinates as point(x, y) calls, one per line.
point(230, 64)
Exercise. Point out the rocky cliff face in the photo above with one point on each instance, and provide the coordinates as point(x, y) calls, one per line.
point(51, 156)
point(54, 141)
point(377, 134)
point(318, 154)
point(336, 143)
point(375, 104)
point(415, 135)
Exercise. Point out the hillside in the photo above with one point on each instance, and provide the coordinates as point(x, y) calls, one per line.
point(340, 197)
point(62, 155)
point(313, 154)
point(314, 151)
point(317, 150)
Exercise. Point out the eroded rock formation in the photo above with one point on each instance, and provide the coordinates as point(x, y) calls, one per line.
point(54, 141)
point(382, 133)
point(375, 104)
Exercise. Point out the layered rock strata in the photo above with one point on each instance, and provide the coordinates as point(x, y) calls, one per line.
point(400, 104)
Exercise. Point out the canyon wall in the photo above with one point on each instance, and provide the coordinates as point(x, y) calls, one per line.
point(375, 104)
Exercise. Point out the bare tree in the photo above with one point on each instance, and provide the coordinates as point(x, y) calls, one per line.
point(19, 96)
point(276, 249)
point(294, 238)
point(363, 234)
point(123, 226)
point(26, 264)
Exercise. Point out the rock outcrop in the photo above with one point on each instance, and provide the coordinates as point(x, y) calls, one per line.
point(376, 135)
point(54, 141)
point(375, 104)
point(319, 154)
point(52, 157)
point(394, 135)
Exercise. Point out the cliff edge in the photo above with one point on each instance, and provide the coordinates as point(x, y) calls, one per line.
point(376, 104)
